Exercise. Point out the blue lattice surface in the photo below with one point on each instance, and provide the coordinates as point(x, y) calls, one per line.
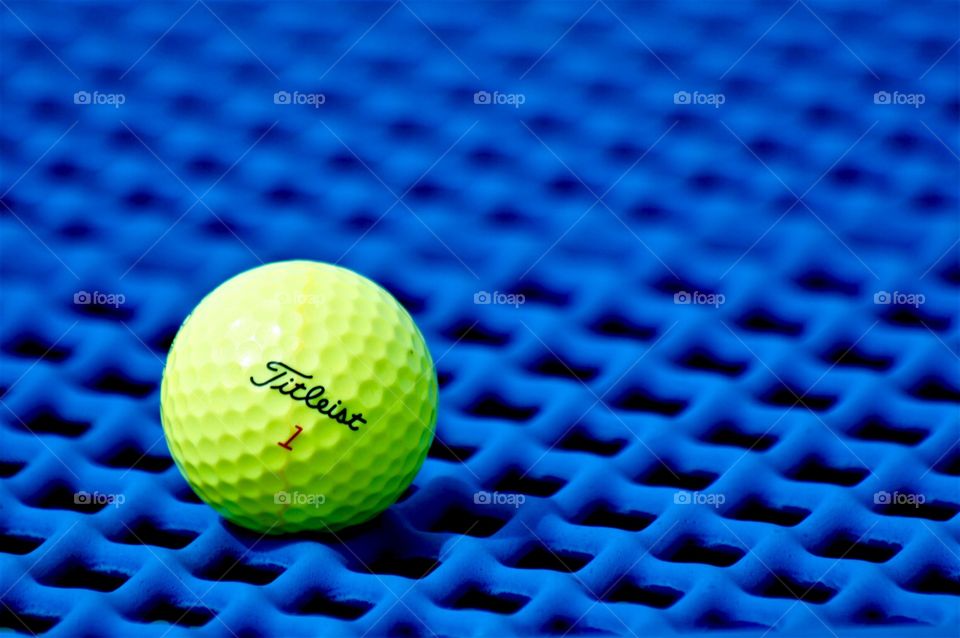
point(600, 401)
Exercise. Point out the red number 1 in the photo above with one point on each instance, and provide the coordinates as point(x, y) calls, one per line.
point(286, 444)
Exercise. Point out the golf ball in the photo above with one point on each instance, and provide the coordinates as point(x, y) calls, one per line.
point(299, 396)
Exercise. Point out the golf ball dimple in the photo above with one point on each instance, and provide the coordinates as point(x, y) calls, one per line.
point(299, 396)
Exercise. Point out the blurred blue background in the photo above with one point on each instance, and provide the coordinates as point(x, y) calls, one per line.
point(689, 272)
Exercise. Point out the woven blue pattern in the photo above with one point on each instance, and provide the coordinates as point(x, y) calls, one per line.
point(689, 272)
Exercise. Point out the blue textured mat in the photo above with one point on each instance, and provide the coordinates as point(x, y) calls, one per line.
point(721, 404)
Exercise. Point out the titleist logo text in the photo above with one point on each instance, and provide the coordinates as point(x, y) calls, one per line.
point(290, 382)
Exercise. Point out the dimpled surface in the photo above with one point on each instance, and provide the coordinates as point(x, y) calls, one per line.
point(223, 417)
point(696, 386)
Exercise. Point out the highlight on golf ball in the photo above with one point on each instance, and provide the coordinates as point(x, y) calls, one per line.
point(297, 396)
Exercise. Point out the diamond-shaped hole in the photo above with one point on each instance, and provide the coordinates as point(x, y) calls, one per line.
point(876, 428)
point(755, 509)
point(475, 332)
point(319, 603)
point(18, 544)
point(932, 388)
point(131, 457)
point(582, 440)
point(852, 546)
point(604, 515)
point(637, 399)
point(114, 381)
point(413, 567)
point(443, 451)
point(852, 356)
point(499, 603)
point(821, 280)
point(516, 481)
point(543, 557)
point(702, 359)
point(32, 346)
point(62, 497)
point(10, 468)
point(458, 520)
point(692, 549)
point(47, 420)
point(764, 321)
point(786, 396)
point(816, 470)
point(17, 620)
point(76, 575)
point(934, 579)
point(786, 586)
point(730, 434)
point(551, 365)
point(907, 505)
point(613, 325)
point(233, 568)
point(657, 596)
point(186, 615)
point(663, 475)
point(494, 406)
point(147, 532)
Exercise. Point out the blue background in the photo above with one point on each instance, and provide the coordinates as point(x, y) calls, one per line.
point(599, 399)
